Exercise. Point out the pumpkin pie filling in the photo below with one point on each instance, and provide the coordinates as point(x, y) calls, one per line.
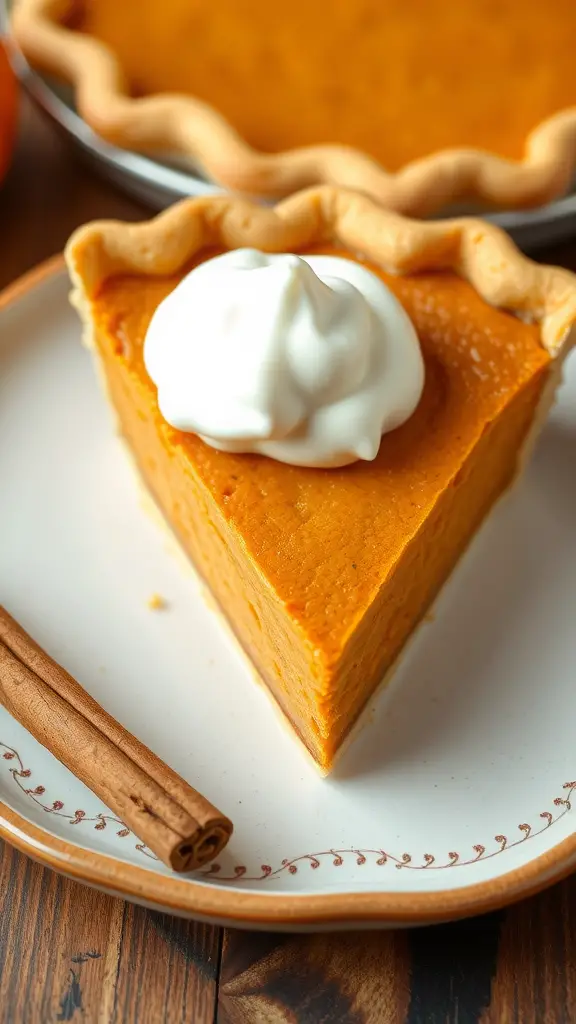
point(397, 80)
point(324, 574)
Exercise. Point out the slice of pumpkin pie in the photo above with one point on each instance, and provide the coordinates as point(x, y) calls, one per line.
point(325, 401)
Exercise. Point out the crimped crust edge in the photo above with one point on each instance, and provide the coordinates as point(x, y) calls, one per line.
point(479, 252)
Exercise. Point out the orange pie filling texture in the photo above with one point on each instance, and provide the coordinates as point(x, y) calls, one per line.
point(396, 79)
point(324, 574)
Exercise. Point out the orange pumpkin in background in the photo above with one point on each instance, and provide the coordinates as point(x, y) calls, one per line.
point(8, 105)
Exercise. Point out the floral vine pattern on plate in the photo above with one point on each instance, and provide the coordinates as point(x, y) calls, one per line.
point(427, 861)
point(20, 774)
point(330, 858)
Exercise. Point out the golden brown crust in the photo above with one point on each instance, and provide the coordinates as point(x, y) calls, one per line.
point(479, 252)
point(189, 126)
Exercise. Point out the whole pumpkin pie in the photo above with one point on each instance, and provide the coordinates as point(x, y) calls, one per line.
point(415, 103)
point(324, 573)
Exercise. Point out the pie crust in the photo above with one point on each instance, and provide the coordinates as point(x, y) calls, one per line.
point(479, 252)
point(187, 125)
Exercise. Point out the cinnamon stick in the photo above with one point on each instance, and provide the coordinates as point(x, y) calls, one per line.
point(177, 823)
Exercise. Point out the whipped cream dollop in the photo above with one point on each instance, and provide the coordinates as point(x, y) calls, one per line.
point(306, 359)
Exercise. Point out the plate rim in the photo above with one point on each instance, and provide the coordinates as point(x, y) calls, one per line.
point(210, 902)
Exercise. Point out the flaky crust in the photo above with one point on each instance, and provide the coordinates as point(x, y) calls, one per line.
point(479, 252)
point(187, 125)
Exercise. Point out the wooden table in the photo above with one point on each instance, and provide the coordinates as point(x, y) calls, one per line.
point(68, 953)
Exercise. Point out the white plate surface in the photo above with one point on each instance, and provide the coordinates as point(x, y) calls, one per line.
point(461, 773)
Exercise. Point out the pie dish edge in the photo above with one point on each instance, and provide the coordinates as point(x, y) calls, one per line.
point(187, 125)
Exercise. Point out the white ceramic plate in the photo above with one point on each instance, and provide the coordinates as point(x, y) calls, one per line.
point(455, 795)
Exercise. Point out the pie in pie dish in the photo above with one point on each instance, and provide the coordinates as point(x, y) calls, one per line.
point(324, 574)
point(414, 105)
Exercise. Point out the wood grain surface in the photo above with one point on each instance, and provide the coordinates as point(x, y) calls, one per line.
point(68, 953)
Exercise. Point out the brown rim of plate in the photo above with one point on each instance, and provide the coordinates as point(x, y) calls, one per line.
point(205, 900)
point(184, 124)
